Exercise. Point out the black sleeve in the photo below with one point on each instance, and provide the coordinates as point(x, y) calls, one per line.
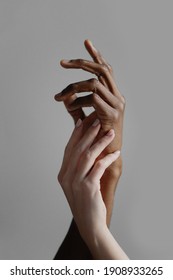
point(73, 247)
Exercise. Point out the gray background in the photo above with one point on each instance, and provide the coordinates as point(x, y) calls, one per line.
point(136, 38)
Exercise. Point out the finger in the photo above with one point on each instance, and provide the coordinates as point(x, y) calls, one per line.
point(103, 110)
point(88, 138)
point(90, 100)
point(95, 54)
point(93, 100)
point(97, 57)
point(91, 85)
point(104, 103)
point(77, 113)
point(94, 68)
point(91, 154)
point(75, 137)
point(84, 143)
point(101, 165)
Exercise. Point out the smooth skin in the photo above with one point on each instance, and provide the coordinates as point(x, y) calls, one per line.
point(79, 177)
point(108, 105)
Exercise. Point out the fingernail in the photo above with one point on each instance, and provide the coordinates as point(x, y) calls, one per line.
point(110, 132)
point(64, 61)
point(117, 154)
point(96, 122)
point(91, 43)
point(79, 122)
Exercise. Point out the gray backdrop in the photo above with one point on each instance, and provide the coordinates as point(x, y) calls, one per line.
point(136, 38)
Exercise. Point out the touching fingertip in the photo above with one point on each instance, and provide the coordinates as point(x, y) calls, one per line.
point(117, 154)
point(110, 132)
point(96, 122)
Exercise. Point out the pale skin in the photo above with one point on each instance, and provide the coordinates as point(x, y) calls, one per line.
point(79, 177)
point(108, 106)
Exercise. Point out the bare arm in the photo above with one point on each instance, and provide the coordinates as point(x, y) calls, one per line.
point(105, 247)
point(79, 177)
point(109, 106)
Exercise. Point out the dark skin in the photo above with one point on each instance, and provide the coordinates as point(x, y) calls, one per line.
point(108, 105)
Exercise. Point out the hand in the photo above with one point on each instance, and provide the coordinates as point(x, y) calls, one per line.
point(80, 176)
point(108, 106)
point(106, 99)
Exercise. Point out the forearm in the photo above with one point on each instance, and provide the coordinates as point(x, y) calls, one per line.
point(103, 246)
point(109, 183)
point(73, 246)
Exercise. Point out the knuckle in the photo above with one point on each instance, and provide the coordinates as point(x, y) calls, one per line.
point(78, 150)
point(72, 87)
point(121, 106)
point(94, 98)
point(94, 81)
point(110, 68)
point(64, 181)
point(100, 164)
point(59, 177)
point(94, 84)
point(80, 61)
point(69, 87)
point(123, 100)
point(87, 155)
point(105, 68)
point(115, 115)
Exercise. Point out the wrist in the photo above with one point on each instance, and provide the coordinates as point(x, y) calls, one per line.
point(105, 247)
point(96, 238)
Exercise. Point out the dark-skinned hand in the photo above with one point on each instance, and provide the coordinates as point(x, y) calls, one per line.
point(106, 100)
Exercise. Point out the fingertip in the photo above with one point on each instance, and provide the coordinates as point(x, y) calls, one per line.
point(111, 132)
point(117, 154)
point(87, 41)
point(57, 97)
point(63, 62)
point(89, 45)
point(96, 122)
